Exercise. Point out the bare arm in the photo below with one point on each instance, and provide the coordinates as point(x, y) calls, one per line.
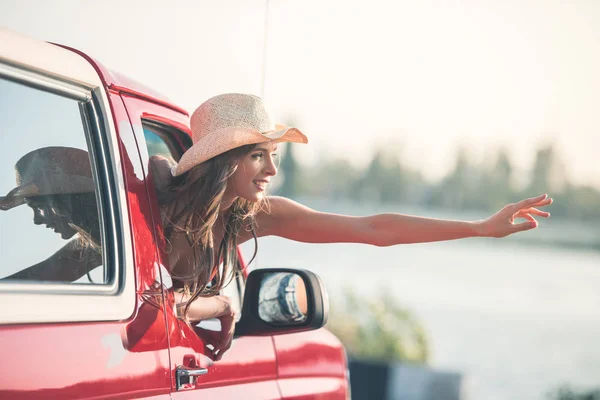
point(204, 307)
point(211, 307)
point(294, 221)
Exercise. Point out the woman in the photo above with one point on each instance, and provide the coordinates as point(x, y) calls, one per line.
point(56, 183)
point(214, 200)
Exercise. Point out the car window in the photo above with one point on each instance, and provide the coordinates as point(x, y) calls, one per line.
point(156, 145)
point(49, 216)
point(164, 140)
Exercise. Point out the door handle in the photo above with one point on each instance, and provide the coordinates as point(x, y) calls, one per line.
point(185, 377)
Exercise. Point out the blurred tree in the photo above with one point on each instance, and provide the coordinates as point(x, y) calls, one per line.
point(548, 173)
point(367, 186)
point(578, 202)
point(338, 177)
point(567, 393)
point(387, 180)
point(460, 188)
point(290, 171)
point(496, 182)
point(392, 183)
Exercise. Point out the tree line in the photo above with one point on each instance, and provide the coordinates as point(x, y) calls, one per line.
point(468, 185)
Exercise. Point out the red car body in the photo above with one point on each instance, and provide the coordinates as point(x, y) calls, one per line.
point(137, 356)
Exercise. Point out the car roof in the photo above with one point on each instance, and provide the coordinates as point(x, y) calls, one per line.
point(51, 58)
point(117, 81)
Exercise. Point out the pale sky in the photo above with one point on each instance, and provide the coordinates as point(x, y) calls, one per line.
point(424, 77)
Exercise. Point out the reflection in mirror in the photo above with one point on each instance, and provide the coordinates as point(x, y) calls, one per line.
point(282, 299)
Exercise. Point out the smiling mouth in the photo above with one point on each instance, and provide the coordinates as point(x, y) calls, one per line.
point(262, 185)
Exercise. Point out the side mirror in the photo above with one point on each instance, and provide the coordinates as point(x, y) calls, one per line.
point(282, 300)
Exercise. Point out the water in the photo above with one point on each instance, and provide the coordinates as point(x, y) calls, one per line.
point(517, 320)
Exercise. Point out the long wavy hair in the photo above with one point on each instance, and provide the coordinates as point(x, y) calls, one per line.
point(201, 192)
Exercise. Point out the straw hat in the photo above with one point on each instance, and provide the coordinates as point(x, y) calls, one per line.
point(231, 120)
point(50, 171)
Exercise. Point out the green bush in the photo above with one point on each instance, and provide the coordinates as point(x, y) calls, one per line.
point(378, 328)
point(568, 393)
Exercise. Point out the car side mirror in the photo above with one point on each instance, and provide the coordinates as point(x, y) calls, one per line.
point(280, 300)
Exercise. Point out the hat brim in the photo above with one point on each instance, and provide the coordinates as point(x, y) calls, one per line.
point(69, 184)
point(223, 140)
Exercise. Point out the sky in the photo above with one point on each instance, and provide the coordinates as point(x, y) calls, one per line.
point(421, 78)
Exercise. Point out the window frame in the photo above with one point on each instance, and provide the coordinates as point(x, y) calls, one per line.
point(175, 140)
point(41, 302)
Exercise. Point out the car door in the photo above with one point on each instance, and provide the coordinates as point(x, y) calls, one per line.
point(248, 369)
point(82, 310)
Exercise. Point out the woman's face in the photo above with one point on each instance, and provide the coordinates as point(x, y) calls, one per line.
point(254, 173)
point(45, 213)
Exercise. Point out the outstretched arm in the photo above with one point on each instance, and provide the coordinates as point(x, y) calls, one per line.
point(292, 220)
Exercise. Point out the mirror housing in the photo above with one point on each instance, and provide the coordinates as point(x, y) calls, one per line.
point(255, 320)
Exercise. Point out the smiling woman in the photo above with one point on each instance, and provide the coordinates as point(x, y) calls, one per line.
point(254, 173)
point(210, 199)
point(215, 199)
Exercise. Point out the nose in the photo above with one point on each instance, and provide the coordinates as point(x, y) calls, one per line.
point(270, 167)
point(38, 218)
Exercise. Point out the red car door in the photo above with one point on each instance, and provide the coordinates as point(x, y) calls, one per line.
point(311, 365)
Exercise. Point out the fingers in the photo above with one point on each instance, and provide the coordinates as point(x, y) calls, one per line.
point(530, 212)
point(524, 226)
point(223, 341)
point(543, 203)
point(222, 351)
point(530, 202)
point(526, 216)
point(537, 212)
point(226, 336)
point(530, 205)
point(210, 353)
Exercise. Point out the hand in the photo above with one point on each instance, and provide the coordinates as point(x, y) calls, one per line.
point(219, 307)
point(220, 341)
point(503, 223)
point(225, 338)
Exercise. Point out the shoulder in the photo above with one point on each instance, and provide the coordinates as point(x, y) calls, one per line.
point(283, 207)
point(280, 211)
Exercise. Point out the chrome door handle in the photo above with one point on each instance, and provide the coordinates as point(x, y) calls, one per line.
point(184, 372)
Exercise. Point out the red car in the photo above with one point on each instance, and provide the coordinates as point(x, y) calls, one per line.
point(87, 301)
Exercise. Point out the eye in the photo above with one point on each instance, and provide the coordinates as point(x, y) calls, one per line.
point(257, 156)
